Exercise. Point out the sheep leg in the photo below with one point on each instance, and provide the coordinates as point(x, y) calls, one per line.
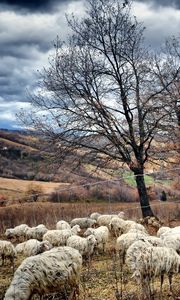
point(3, 259)
point(103, 247)
point(162, 280)
point(12, 262)
point(170, 282)
point(32, 296)
point(72, 294)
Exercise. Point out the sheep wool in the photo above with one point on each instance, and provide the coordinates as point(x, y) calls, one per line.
point(16, 232)
point(84, 223)
point(95, 215)
point(59, 237)
point(104, 220)
point(119, 226)
point(174, 230)
point(62, 225)
point(146, 262)
point(32, 247)
point(36, 232)
point(101, 234)
point(124, 241)
point(172, 241)
point(84, 245)
point(7, 251)
point(163, 230)
point(49, 272)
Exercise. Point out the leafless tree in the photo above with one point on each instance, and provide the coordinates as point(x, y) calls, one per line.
point(100, 93)
point(171, 124)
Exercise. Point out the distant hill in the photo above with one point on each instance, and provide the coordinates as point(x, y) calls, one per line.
point(25, 155)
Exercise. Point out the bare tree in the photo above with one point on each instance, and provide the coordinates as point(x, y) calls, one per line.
point(100, 93)
point(171, 124)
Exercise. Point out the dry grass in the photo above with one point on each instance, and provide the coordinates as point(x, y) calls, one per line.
point(18, 145)
point(49, 213)
point(103, 278)
point(18, 185)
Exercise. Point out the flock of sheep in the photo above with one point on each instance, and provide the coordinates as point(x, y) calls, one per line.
point(55, 257)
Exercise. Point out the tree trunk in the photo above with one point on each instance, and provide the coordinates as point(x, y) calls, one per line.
point(143, 196)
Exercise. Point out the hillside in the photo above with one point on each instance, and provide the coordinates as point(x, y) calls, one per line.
point(27, 156)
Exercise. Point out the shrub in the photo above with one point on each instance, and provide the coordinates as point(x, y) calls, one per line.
point(32, 192)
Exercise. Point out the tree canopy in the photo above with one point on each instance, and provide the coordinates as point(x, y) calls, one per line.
point(104, 91)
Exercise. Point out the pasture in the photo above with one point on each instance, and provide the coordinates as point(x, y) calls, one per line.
point(103, 278)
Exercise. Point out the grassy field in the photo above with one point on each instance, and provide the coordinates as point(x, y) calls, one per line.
point(15, 190)
point(22, 185)
point(102, 278)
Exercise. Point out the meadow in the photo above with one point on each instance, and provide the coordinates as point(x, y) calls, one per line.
point(103, 278)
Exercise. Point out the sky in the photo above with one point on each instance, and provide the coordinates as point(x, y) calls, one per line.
point(28, 30)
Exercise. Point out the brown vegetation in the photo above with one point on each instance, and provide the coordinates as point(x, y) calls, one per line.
point(103, 278)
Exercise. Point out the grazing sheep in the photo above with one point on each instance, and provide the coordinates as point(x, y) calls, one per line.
point(84, 245)
point(32, 247)
point(7, 251)
point(84, 223)
point(16, 232)
point(121, 214)
point(162, 230)
point(59, 237)
point(62, 225)
point(147, 262)
point(170, 231)
point(49, 272)
point(36, 232)
point(124, 241)
point(101, 234)
point(172, 241)
point(119, 226)
point(95, 215)
point(104, 220)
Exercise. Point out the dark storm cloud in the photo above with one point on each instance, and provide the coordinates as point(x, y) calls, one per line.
point(171, 3)
point(27, 31)
point(36, 5)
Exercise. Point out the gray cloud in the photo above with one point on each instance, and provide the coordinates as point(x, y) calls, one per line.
point(27, 31)
point(171, 3)
point(32, 6)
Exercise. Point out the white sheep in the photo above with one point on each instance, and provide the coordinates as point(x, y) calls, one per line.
point(101, 234)
point(49, 272)
point(172, 241)
point(36, 232)
point(121, 214)
point(174, 230)
point(163, 230)
point(124, 241)
point(16, 232)
point(7, 251)
point(95, 215)
point(62, 225)
point(84, 245)
point(104, 220)
point(147, 262)
point(84, 223)
point(59, 237)
point(119, 226)
point(32, 247)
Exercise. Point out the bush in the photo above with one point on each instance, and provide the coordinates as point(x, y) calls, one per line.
point(114, 192)
point(32, 192)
